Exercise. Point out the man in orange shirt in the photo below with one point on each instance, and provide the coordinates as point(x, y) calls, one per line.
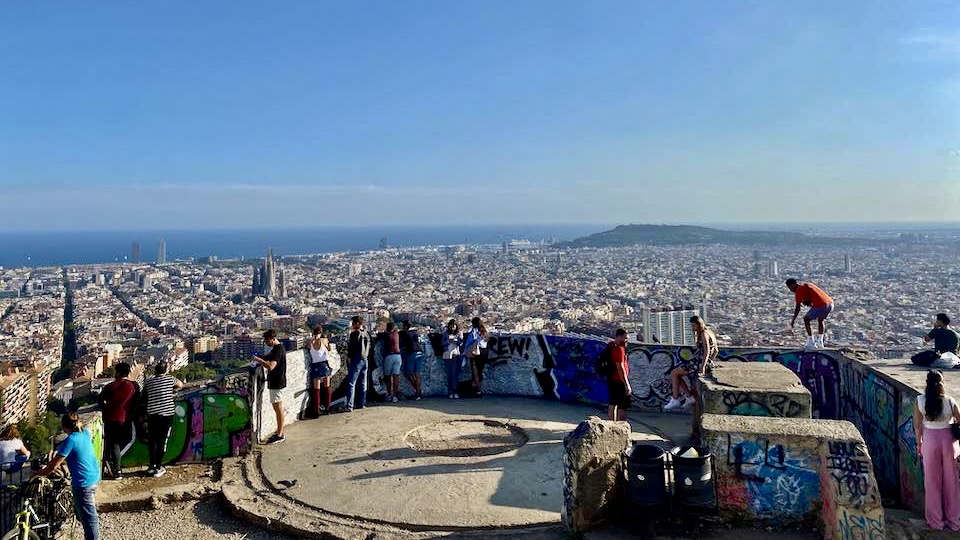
point(820, 303)
point(618, 382)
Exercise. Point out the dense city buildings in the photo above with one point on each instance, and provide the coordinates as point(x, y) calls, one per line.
point(211, 312)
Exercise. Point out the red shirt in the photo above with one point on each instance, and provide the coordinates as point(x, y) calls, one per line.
point(808, 293)
point(618, 357)
point(118, 399)
point(394, 342)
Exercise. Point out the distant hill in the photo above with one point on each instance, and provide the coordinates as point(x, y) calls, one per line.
point(629, 235)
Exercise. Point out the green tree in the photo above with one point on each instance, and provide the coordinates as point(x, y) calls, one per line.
point(37, 435)
point(194, 372)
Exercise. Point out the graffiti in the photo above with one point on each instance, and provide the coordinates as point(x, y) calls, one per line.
point(860, 527)
point(746, 404)
point(820, 375)
point(850, 468)
point(780, 482)
point(869, 403)
point(500, 349)
point(911, 470)
point(205, 426)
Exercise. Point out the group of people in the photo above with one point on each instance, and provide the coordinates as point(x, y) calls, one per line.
point(402, 354)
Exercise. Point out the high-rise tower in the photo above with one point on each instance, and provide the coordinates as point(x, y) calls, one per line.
point(162, 253)
point(135, 253)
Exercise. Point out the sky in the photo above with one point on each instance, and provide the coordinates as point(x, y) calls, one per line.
point(162, 115)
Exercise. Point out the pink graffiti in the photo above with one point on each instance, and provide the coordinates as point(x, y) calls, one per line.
point(194, 446)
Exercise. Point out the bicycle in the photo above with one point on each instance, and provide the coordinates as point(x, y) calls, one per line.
point(55, 501)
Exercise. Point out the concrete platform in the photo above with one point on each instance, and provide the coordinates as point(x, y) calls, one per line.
point(360, 466)
point(755, 389)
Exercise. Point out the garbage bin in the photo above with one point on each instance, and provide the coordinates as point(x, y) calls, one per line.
point(646, 477)
point(694, 486)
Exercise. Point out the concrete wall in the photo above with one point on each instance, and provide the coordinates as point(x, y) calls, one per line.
point(754, 389)
point(209, 423)
point(786, 470)
point(843, 385)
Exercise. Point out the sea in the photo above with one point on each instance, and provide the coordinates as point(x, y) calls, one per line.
point(36, 249)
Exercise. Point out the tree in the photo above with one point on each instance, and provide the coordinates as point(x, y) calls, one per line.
point(194, 372)
point(37, 435)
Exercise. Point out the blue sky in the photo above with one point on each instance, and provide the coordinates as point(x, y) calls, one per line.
point(192, 114)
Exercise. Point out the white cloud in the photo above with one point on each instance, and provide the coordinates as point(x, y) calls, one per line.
point(934, 43)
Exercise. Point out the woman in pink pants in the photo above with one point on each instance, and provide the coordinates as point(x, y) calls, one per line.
point(935, 411)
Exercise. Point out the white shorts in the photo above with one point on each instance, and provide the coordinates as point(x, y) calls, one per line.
point(276, 396)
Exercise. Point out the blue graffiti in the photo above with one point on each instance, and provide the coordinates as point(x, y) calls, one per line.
point(780, 485)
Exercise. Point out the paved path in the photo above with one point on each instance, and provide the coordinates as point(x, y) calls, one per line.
point(359, 464)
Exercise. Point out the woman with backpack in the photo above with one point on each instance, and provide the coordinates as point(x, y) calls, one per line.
point(475, 348)
point(935, 417)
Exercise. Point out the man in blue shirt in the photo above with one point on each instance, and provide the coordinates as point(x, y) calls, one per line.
point(77, 451)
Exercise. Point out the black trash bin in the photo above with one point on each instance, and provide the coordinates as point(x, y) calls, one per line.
point(646, 477)
point(694, 485)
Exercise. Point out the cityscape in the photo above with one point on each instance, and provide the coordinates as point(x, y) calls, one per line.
point(208, 313)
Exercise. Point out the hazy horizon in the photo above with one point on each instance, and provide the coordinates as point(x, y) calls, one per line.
point(314, 114)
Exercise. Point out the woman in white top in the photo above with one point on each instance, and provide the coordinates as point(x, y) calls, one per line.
point(13, 454)
point(320, 372)
point(932, 416)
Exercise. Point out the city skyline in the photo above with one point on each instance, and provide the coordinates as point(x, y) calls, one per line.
point(532, 113)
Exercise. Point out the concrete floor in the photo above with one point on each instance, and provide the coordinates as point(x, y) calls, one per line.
point(358, 464)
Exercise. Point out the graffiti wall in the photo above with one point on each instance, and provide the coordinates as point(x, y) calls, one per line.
point(207, 424)
point(800, 470)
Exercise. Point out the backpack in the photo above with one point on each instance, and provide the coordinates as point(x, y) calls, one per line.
point(604, 364)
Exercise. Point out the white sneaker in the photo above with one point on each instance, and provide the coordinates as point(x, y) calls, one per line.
point(673, 405)
point(160, 472)
point(456, 396)
point(818, 341)
point(689, 403)
point(810, 344)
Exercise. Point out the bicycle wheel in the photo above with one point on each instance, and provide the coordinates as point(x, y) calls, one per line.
point(64, 518)
point(17, 534)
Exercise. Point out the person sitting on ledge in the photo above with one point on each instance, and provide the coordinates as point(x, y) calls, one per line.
point(945, 339)
point(703, 358)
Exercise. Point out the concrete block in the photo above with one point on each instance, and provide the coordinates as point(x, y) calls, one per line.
point(790, 470)
point(593, 480)
point(755, 389)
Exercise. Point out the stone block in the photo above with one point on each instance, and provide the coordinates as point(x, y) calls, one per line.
point(593, 480)
point(755, 389)
point(791, 470)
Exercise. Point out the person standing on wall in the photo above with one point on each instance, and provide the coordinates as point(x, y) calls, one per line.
point(452, 357)
point(119, 400)
point(358, 349)
point(945, 339)
point(77, 451)
point(618, 378)
point(276, 364)
point(412, 351)
point(820, 303)
point(684, 377)
point(320, 372)
point(933, 415)
point(159, 392)
point(475, 347)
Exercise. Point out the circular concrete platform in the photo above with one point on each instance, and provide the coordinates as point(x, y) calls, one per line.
point(434, 464)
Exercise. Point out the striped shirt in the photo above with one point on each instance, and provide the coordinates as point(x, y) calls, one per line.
point(159, 392)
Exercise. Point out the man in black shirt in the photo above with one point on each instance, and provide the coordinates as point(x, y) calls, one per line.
point(276, 364)
point(358, 350)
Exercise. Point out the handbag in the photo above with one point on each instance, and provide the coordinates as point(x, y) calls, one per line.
point(474, 349)
point(451, 354)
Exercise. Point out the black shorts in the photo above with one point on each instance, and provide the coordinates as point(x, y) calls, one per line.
point(619, 397)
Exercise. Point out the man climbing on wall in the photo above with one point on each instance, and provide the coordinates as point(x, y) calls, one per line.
point(618, 381)
point(820, 304)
